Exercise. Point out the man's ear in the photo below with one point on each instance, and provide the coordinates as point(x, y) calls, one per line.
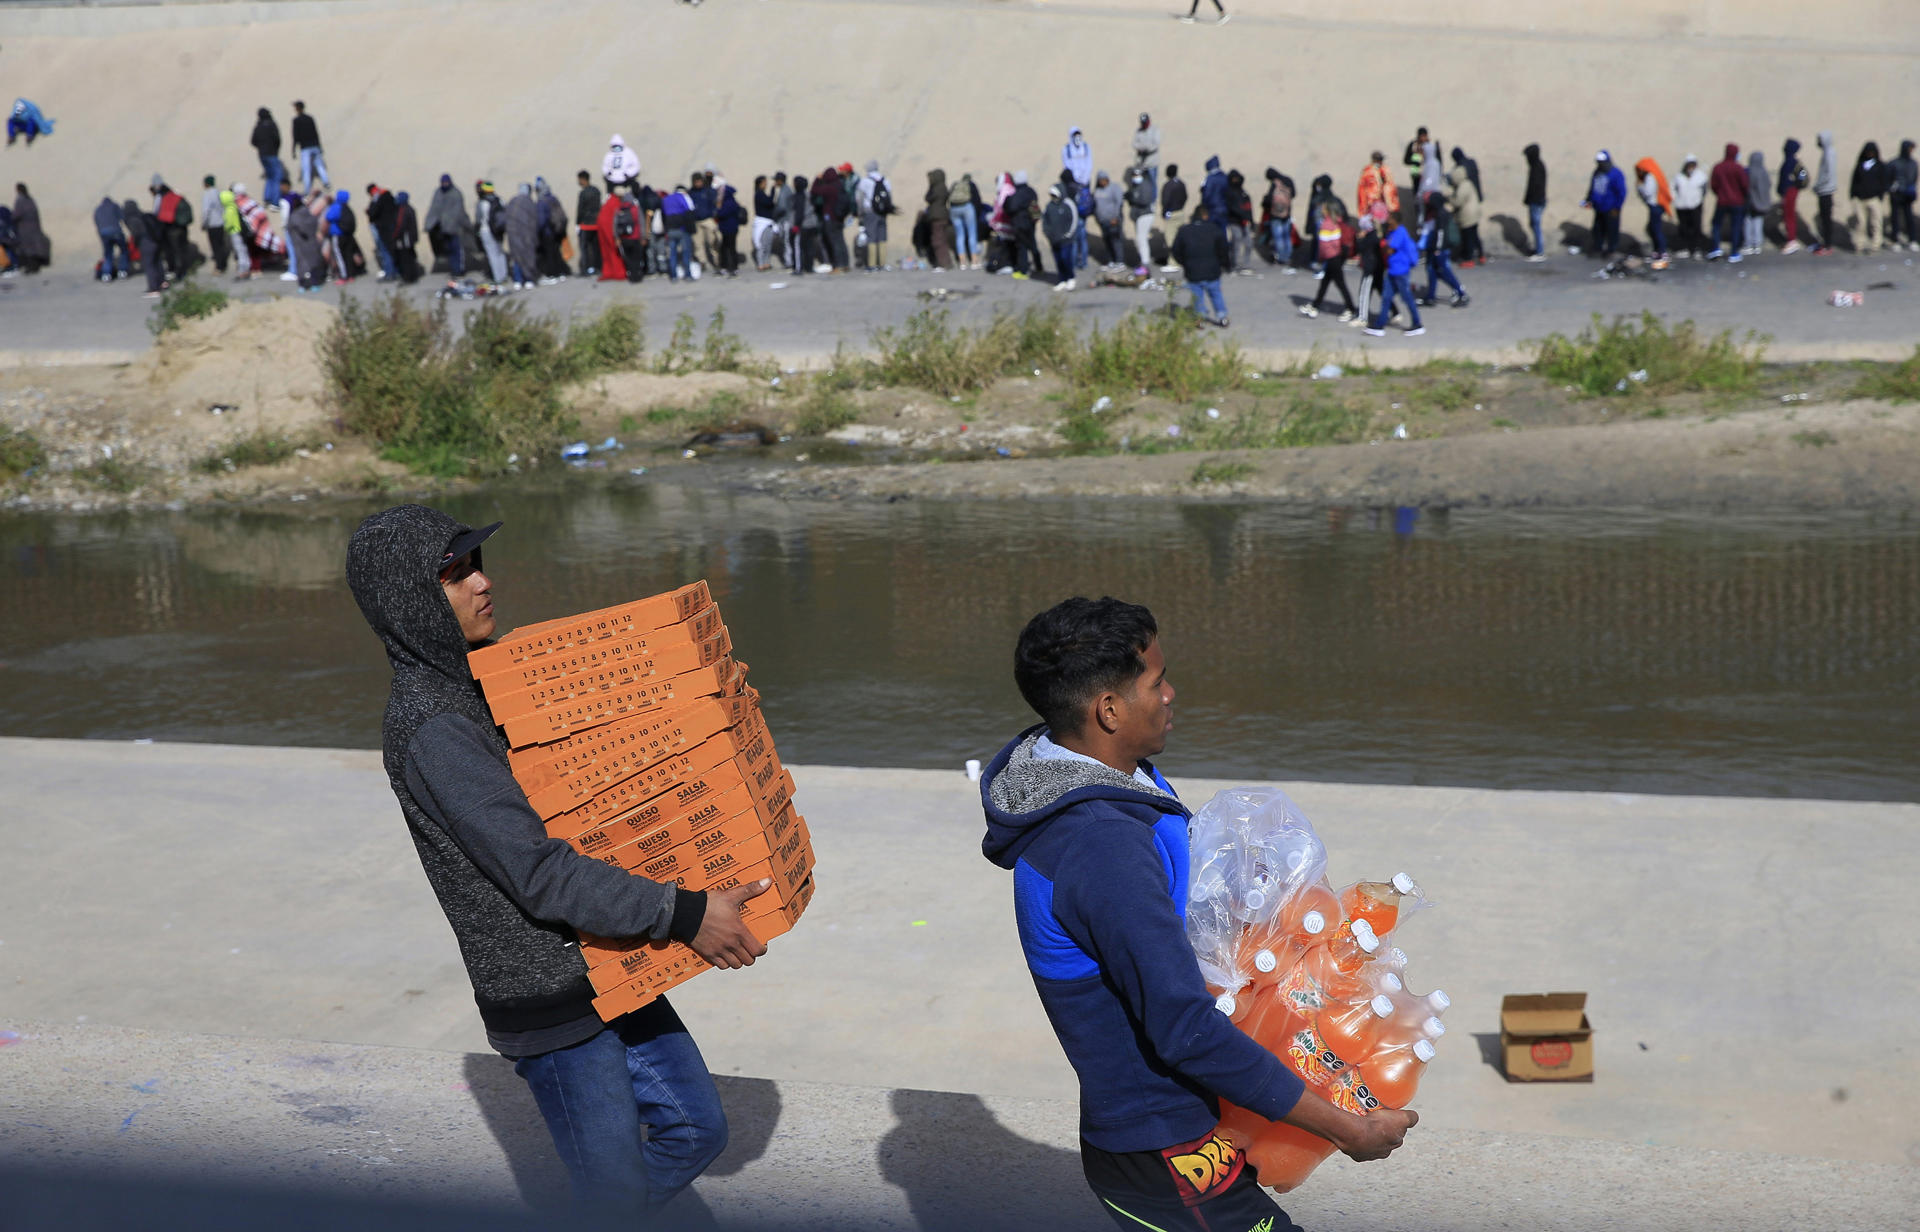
point(1106, 712)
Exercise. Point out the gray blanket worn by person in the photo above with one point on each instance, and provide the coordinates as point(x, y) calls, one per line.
point(523, 232)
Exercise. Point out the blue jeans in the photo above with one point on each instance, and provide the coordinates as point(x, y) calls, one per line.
point(272, 171)
point(1211, 289)
point(1080, 244)
point(1440, 269)
point(1656, 229)
point(1533, 217)
point(966, 231)
point(1281, 232)
point(1734, 217)
point(1063, 260)
point(679, 253)
point(642, 1070)
point(312, 161)
point(110, 244)
point(1402, 286)
point(385, 258)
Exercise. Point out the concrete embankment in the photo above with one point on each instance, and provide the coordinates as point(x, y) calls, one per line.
point(160, 896)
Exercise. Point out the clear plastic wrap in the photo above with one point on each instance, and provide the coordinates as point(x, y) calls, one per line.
point(1253, 851)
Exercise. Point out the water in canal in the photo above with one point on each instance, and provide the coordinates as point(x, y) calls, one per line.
point(1632, 651)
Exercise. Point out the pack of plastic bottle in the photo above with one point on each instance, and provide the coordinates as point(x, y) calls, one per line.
point(1304, 970)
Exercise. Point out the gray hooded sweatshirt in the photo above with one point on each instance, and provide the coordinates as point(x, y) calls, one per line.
point(513, 895)
point(1827, 182)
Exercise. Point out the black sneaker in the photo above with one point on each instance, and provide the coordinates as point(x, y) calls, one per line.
point(1461, 300)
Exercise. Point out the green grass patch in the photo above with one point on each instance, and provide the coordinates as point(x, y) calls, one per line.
point(821, 409)
point(451, 404)
point(117, 475)
point(1627, 356)
point(930, 352)
point(1891, 382)
point(257, 449)
point(185, 301)
point(717, 350)
point(1220, 472)
point(20, 452)
point(1160, 353)
point(1816, 439)
point(611, 342)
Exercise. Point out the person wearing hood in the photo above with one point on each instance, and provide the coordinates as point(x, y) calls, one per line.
point(830, 197)
point(586, 216)
point(403, 238)
point(1096, 841)
point(303, 238)
point(873, 198)
point(344, 229)
point(175, 215)
point(1606, 193)
point(1826, 186)
point(622, 227)
point(1146, 151)
point(147, 236)
point(1109, 203)
point(447, 227)
point(1018, 210)
point(1729, 184)
point(1433, 244)
point(1139, 209)
point(1906, 186)
point(1200, 250)
point(1535, 199)
point(552, 261)
point(518, 901)
point(266, 144)
point(1400, 254)
point(1076, 156)
point(379, 225)
point(1651, 183)
point(1318, 194)
point(1057, 222)
point(1239, 224)
point(1335, 240)
point(1463, 195)
point(523, 237)
point(1433, 171)
point(939, 216)
point(26, 120)
point(490, 225)
point(1689, 200)
point(1793, 178)
point(1376, 184)
point(1759, 201)
point(306, 147)
point(235, 234)
point(1472, 166)
point(1276, 211)
point(115, 261)
point(730, 217)
point(1213, 192)
point(1872, 179)
point(621, 166)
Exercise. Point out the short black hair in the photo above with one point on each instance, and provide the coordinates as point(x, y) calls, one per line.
point(1076, 650)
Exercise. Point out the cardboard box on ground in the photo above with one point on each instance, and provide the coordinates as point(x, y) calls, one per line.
point(639, 743)
point(1545, 1037)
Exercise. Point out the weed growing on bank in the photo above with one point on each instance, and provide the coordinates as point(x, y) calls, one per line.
point(614, 341)
point(1626, 356)
point(185, 301)
point(117, 475)
point(1157, 353)
point(719, 349)
point(1891, 382)
point(20, 453)
point(258, 449)
point(1220, 472)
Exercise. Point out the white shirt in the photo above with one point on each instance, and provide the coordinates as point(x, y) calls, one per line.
point(1045, 749)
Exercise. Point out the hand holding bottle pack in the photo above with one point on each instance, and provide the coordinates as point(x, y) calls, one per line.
point(1304, 970)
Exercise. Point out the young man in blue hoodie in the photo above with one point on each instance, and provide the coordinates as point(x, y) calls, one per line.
point(1097, 843)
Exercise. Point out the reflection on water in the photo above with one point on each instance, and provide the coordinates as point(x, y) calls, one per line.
point(1632, 651)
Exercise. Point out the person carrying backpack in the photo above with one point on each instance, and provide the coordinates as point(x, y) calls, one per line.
point(874, 198)
point(1058, 222)
point(490, 224)
point(966, 222)
point(1334, 241)
point(1139, 198)
point(1277, 215)
point(1433, 241)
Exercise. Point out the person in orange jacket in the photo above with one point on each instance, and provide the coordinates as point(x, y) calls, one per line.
point(1652, 185)
point(1376, 184)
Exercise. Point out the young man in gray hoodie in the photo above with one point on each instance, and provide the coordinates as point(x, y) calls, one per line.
point(516, 898)
point(1826, 185)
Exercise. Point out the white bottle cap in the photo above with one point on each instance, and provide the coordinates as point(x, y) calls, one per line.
point(1254, 900)
point(1404, 884)
point(1264, 962)
point(1391, 982)
point(1295, 859)
point(1363, 936)
point(1398, 957)
point(1313, 923)
point(1382, 1006)
point(1423, 1049)
point(1439, 1001)
point(1433, 1028)
point(1225, 1004)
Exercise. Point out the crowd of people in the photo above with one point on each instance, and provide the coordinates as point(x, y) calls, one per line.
point(1133, 229)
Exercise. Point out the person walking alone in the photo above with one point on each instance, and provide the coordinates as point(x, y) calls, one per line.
point(306, 147)
point(1222, 19)
point(1535, 199)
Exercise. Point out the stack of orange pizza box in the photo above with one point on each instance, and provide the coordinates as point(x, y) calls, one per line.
point(639, 742)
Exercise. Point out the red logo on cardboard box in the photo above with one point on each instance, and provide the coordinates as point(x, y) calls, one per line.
point(1551, 1053)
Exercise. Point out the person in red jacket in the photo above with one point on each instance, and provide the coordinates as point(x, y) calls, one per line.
point(1729, 183)
point(623, 224)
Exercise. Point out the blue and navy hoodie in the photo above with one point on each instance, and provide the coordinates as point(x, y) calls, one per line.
point(1099, 866)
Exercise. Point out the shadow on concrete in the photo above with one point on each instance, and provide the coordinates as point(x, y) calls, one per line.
point(1491, 1053)
point(1573, 235)
point(753, 1112)
point(1513, 232)
point(962, 1170)
point(511, 1116)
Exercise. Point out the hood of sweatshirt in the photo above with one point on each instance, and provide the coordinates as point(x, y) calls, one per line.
point(1022, 793)
point(1790, 149)
point(1906, 149)
point(1213, 164)
point(1532, 153)
point(393, 569)
point(1733, 152)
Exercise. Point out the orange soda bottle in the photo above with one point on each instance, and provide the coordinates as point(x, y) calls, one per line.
point(1333, 972)
point(1355, 1032)
point(1284, 1155)
point(1377, 902)
point(1394, 1074)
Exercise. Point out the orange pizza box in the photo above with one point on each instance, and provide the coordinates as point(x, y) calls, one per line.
point(646, 696)
point(589, 656)
point(787, 878)
point(771, 923)
point(747, 745)
point(667, 964)
point(702, 803)
point(541, 765)
point(739, 843)
point(612, 677)
point(591, 765)
point(549, 636)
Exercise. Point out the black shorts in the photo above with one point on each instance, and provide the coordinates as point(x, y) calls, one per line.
point(1202, 1186)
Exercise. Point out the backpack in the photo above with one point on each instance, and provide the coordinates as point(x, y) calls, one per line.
point(962, 194)
point(1057, 222)
point(1140, 195)
point(1800, 176)
point(1280, 199)
point(882, 200)
point(623, 224)
point(496, 221)
point(1327, 243)
point(183, 213)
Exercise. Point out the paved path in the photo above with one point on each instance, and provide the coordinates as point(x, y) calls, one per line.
point(63, 317)
point(1742, 1000)
point(370, 1127)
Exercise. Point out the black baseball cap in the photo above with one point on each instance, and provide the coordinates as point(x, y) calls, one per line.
point(468, 540)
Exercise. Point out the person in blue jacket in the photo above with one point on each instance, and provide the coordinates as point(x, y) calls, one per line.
point(1402, 255)
point(26, 121)
point(1606, 193)
point(1213, 192)
point(1097, 844)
